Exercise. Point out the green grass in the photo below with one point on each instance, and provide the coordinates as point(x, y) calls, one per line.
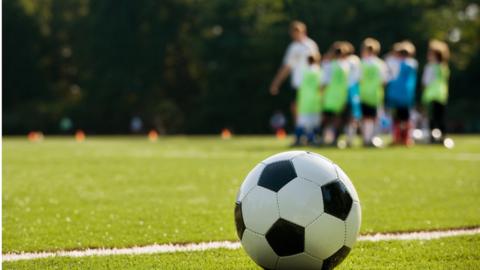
point(448, 253)
point(124, 191)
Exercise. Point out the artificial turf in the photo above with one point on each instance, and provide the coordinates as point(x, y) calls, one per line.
point(449, 253)
point(124, 191)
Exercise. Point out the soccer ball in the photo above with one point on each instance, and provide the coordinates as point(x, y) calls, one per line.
point(297, 210)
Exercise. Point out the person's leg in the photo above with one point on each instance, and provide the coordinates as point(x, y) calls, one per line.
point(299, 129)
point(311, 129)
point(352, 119)
point(368, 128)
point(327, 127)
point(437, 122)
point(351, 131)
point(368, 124)
point(432, 121)
point(439, 116)
point(396, 127)
point(396, 132)
point(293, 111)
point(337, 126)
point(404, 114)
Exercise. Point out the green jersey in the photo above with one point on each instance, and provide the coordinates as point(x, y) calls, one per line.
point(308, 95)
point(371, 82)
point(336, 92)
point(436, 83)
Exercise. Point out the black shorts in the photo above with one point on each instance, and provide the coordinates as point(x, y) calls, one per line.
point(402, 114)
point(335, 114)
point(329, 114)
point(368, 111)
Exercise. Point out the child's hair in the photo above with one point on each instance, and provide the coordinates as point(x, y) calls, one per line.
point(339, 49)
point(371, 45)
point(313, 59)
point(440, 50)
point(404, 53)
point(404, 48)
point(298, 26)
point(350, 49)
point(438, 55)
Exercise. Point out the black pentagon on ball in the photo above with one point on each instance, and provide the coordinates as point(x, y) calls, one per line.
point(286, 238)
point(239, 220)
point(276, 175)
point(336, 200)
point(337, 258)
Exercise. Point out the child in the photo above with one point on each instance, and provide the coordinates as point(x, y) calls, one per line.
point(435, 93)
point(353, 93)
point(400, 94)
point(335, 88)
point(373, 77)
point(308, 103)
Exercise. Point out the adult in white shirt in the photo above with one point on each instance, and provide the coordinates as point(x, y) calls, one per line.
point(295, 60)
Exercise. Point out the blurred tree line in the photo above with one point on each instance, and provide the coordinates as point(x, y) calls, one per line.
point(196, 66)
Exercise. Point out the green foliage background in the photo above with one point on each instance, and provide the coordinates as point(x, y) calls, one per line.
point(195, 66)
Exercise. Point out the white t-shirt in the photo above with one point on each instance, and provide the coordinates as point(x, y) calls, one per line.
point(393, 67)
point(355, 69)
point(296, 58)
point(428, 74)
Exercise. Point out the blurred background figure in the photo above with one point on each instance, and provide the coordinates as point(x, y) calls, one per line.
point(335, 93)
point(295, 61)
point(309, 104)
point(435, 93)
point(136, 124)
point(354, 108)
point(373, 78)
point(400, 94)
point(66, 124)
point(278, 121)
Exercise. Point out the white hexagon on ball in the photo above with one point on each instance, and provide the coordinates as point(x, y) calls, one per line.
point(314, 168)
point(300, 201)
point(258, 249)
point(325, 236)
point(260, 209)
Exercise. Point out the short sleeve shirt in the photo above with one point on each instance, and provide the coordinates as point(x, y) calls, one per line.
point(296, 58)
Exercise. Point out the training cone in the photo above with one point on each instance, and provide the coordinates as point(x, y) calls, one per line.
point(35, 136)
point(226, 134)
point(79, 136)
point(281, 134)
point(153, 135)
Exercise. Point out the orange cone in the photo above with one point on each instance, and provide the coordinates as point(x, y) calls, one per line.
point(35, 136)
point(226, 134)
point(80, 136)
point(153, 135)
point(281, 134)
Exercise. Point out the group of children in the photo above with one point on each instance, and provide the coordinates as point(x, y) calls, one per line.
point(343, 92)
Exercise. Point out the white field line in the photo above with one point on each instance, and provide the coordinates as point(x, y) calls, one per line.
point(172, 248)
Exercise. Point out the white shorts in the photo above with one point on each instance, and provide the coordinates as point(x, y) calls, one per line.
point(308, 121)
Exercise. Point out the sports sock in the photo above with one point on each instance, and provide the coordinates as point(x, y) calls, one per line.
point(397, 138)
point(368, 131)
point(351, 131)
point(299, 131)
